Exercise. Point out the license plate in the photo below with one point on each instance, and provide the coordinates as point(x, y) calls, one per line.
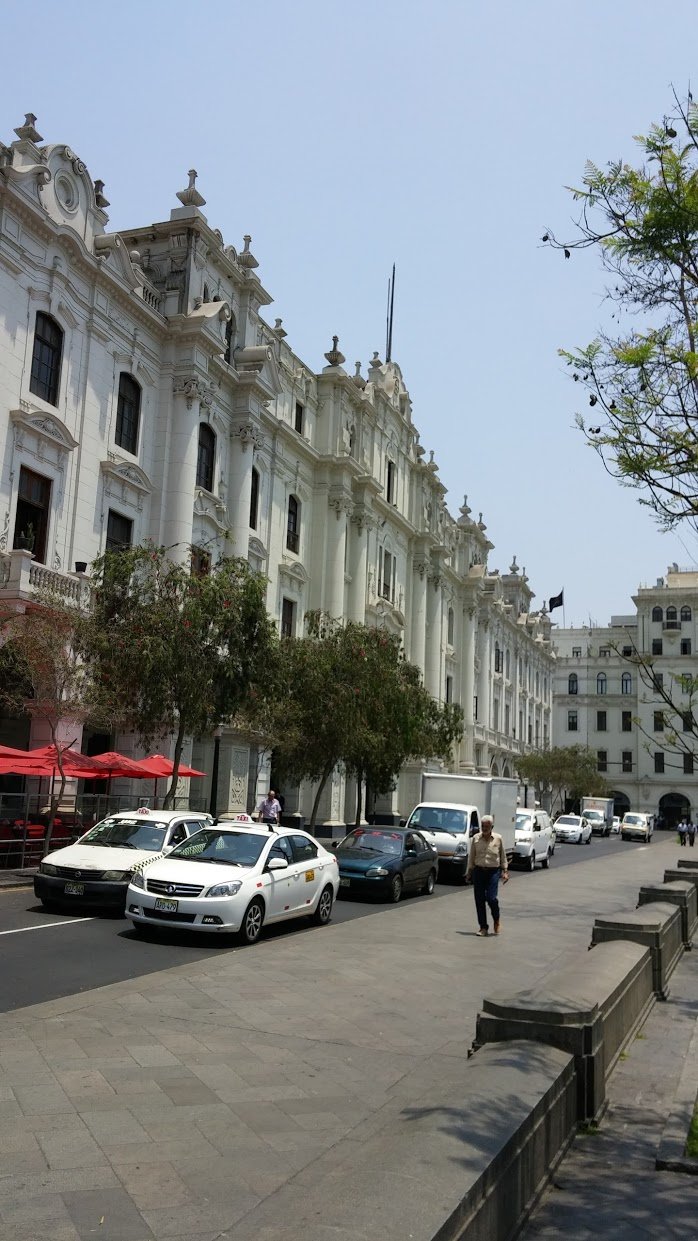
point(74, 889)
point(344, 883)
point(169, 907)
point(309, 876)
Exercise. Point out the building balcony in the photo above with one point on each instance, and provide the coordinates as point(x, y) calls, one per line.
point(22, 577)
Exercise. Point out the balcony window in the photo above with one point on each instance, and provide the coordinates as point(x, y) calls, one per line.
point(601, 683)
point(685, 613)
point(119, 532)
point(288, 616)
point(46, 359)
point(205, 457)
point(386, 575)
point(32, 515)
point(626, 683)
point(657, 614)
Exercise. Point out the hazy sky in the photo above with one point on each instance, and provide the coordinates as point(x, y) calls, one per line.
point(439, 135)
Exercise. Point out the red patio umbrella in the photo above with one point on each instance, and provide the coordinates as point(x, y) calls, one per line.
point(115, 764)
point(157, 765)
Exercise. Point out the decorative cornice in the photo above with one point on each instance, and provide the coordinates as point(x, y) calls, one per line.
point(127, 472)
point(193, 388)
point(46, 426)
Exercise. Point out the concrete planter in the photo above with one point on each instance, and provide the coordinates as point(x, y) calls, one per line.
point(657, 927)
point(680, 893)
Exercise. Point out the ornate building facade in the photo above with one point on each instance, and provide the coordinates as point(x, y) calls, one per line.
point(144, 395)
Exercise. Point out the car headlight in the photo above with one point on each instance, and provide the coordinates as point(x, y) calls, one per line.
point(225, 889)
point(461, 847)
point(47, 869)
point(377, 872)
point(138, 881)
point(523, 838)
point(117, 876)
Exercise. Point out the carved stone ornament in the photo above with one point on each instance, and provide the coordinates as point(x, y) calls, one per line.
point(28, 131)
point(192, 388)
point(190, 197)
point(340, 504)
point(420, 566)
point(125, 481)
point(48, 431)
point(247, 433)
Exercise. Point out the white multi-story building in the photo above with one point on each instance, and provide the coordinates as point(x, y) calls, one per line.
point(144, 396)
point(606, 701)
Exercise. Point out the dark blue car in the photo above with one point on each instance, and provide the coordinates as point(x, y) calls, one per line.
point(385, 862)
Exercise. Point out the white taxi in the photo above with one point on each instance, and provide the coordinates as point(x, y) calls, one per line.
point(230, 878)
point(97, 868)
point(573, 829)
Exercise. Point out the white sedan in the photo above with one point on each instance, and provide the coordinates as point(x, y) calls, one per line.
point(236, 879)
point(573, 829)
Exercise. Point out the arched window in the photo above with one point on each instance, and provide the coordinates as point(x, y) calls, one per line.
point(293, 524)
point(254, 498)
point(572, 683)
point(451, 624)
point(206, 457)
point(601, 683)
point(685, 613)
point(671, 613)
point(46, 358)
point(657, 614)
point(626, 683)
point(128, 410)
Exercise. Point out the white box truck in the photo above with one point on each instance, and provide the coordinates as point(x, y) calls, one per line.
point(599, 812)
point(450, 810)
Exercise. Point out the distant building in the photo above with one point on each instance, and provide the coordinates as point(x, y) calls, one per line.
point(144, 396)
point(603, 701)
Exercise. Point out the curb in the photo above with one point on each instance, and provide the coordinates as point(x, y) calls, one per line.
point(670, 1153)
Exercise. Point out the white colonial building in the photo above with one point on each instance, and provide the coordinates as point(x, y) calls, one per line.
point(605, 701)
point(143, 395)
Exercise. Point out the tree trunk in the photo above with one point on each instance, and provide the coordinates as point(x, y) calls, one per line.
point(55, 801)
point(316, 801)
point(168, 803)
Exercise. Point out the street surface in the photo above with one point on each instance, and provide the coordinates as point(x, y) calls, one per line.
point(47, 956)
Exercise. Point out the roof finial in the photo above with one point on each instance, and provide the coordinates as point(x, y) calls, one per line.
point(333, 355)
point(28, 132)
point(247, 258)
point(191, 196)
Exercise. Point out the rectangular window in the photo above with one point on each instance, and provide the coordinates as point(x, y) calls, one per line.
point(288, 610)
point(627, 760)
point(31, 517)
point(688, 764)
point(658, 681)
point(530, 734)
point(128, 408)
point(658, 762)
point(604, 651)
point(626, 721)
point(687, 722)
point(686, 683)
point(658, 722)
point(475, 709)
point(390, 483)
point(601, 721)
point(507, 719)
point(602, 760)
point(254, 499)
point(119, 531)
point(386, 575)
point(627, 651)
point(572, 722)
point(495, 714)
point(298, 417)
point(46, 359)
point(449, 689)
point(576, 652)
point(656, 646)
point(685, 646)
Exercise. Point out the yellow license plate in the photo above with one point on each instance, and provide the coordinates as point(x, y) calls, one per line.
point(309, 876)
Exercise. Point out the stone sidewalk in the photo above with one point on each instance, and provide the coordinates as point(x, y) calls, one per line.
point(194, 1104)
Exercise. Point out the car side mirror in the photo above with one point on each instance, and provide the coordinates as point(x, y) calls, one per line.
point(411, 852)
point(277, 863)
point(403, 822)
point(167, 848)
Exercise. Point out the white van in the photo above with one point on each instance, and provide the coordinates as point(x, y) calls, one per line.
point(637, 826)
point(535, 838)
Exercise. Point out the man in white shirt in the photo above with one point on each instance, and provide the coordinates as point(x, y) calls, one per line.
point(487, 860)
point(269, 810)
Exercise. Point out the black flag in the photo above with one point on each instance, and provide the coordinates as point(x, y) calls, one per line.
point(556, 601)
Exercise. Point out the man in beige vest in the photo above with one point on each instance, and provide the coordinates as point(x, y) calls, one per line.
point(487, 860)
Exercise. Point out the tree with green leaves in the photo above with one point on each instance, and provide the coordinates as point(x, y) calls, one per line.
point(43, 675)
point(563, 771)
point(182, 652)
point(642, 379)
point(353, 702)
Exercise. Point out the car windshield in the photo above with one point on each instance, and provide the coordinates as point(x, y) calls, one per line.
point(241, 848)
point(594, 814)
point(524, 822)
point(568, 820)
point(132, 833)
point(362, 841)
point(433, 819)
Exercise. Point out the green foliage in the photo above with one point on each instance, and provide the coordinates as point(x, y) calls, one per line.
point(351, 700)
point(642, 382)
point(181, 652)
point(564, 770)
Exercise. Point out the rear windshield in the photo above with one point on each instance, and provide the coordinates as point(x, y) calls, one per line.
point(633, 818)
point(568, 820)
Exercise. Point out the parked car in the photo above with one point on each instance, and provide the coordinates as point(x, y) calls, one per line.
point(573, 829)
point(447, 826)
point(535, 839)
point(385, 862)
point(637, 826)
point(615, 826)
point(96, 869)
point(230, 878)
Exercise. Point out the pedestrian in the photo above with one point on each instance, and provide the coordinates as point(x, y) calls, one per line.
point(682, 830)
point(487, 861)
point(269, 810)
point(691, 832)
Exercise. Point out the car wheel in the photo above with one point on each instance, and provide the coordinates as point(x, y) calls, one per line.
point(589, 838)
point(546, 861)
point(395, 891)
point(252, 922)
point(323, 913)
point(531, 862)
point(429, 883)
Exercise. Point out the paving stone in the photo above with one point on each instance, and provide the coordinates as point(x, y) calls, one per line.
point(108, 1214)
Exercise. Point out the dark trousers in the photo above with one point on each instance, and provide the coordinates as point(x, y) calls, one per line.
point(486, 888)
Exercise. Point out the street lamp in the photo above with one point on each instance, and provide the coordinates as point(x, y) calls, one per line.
point(213, 803)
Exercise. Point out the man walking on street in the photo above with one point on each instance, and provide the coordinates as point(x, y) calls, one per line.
point(269, 810)
point(487, 860)
point(691, 832)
